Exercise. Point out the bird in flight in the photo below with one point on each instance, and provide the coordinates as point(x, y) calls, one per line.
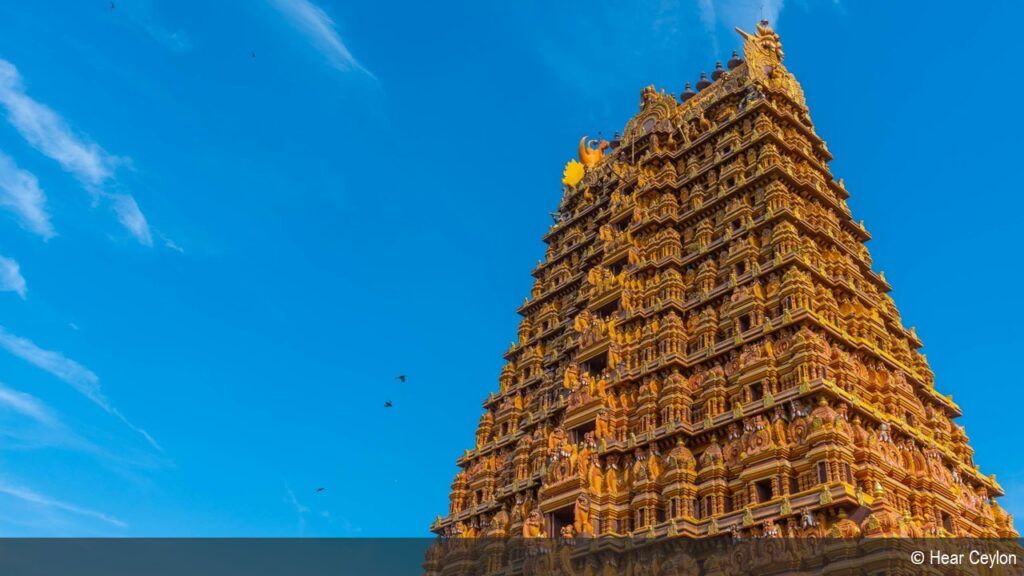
point(387, 404)
point(113, 6)
point(320, 489)
point(252, 54)
point(400, 377)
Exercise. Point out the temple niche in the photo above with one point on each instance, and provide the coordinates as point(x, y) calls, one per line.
point(707, 351)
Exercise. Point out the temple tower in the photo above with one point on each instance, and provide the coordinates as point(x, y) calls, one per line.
point(706, 349)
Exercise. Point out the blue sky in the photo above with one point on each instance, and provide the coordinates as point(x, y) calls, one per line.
point(225, 228)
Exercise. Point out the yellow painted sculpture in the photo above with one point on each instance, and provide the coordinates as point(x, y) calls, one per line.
point(573, 173)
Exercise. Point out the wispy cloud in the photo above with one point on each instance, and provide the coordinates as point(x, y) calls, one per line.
point(318, 27)
point(772, 9)
point(637, 41)
point(707, 13)
point(21, 195)
point(300, 509)
point(85, 381)
point(30, 423)
point(732, 13)
point(46, 131)
point(141, 15)
point(172, 245)
point(11, 279)
point(320, 518)
point(50, 134)
point(27, 405)
point(129, 215)
point(34, 498)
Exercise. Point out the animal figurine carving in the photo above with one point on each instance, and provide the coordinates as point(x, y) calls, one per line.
point(590, 155)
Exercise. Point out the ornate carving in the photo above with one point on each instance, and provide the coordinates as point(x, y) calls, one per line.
point(705, 348)
point(591, 152)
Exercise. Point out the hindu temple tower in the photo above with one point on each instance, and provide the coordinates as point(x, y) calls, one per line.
point(707, 351)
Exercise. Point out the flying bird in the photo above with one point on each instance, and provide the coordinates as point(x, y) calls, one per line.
point(320, 489)
point(113, 6)
point(252, 54)
point(400, 377)
point(387, 404)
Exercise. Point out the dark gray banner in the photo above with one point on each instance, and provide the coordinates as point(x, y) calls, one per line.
point(722, 555)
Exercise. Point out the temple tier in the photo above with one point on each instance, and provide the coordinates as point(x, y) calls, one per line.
point(706, 349)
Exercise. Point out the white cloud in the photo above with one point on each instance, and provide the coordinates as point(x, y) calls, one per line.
point(737, 13)
point(11, 279)
point(169, 243)
point(129, 215)
point(50, 134)
point(142, 15)
point(37, 426)
point(772, 9)
point(27, 405)
point(707, 13)
point(318, 26)
point(85, 381)
point(300, 509)
point(30, 496)
point(46, 131)
point(20, 194)
point(172, 245)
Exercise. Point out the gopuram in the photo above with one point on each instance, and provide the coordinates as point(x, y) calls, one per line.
point(706, 352)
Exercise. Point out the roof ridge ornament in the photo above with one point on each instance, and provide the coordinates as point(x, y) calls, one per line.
point(763, 54)
point(592, 151)
point(765, 39)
